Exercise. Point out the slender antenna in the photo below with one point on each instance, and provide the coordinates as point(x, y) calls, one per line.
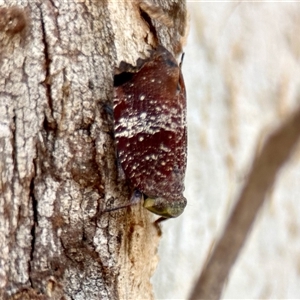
point(118, 207)
point(136, 198)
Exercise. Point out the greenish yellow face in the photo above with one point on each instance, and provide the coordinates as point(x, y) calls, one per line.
point(164, 207)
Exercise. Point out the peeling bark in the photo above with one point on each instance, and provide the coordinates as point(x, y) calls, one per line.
point(57, 155)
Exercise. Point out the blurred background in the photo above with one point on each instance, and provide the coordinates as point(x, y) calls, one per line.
point(242, 74)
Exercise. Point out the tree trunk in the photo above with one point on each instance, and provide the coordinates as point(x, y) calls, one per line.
point(58, 163)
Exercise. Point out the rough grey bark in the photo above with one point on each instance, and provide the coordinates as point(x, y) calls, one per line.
point(57, 155)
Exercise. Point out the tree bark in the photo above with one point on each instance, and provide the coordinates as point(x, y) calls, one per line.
point(57, 155)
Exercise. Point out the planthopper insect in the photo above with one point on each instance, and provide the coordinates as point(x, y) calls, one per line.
point(150, 132)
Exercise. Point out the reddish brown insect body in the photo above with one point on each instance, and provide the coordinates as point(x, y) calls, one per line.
point(150, 132)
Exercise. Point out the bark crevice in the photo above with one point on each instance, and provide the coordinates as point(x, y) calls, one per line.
point(34, 225)
point(47, 63)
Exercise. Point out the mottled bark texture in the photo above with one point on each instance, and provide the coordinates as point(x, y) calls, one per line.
point(57, 155)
